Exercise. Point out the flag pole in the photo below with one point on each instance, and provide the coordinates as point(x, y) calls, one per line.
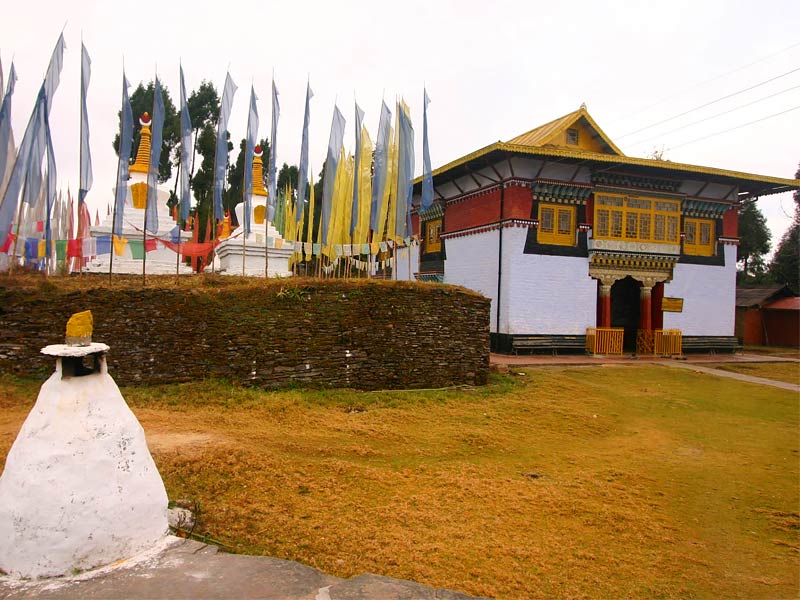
point(19, 225)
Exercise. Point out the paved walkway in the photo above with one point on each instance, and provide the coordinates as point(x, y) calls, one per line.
point(191, 570)
point(689, 361)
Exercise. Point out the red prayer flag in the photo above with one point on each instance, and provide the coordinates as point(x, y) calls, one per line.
point(9, 240)
point(150, 244)
point(75, 248)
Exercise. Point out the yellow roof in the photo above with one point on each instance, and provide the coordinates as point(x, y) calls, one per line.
point(549, 133)
point(545, 142)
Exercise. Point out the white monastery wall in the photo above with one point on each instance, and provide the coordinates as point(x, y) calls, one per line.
point(546, 294)
point(709, 297)
point(472, 263)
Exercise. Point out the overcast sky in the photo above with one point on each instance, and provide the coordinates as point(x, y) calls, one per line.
point(492, 70)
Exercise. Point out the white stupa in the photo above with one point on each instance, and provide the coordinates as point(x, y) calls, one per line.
point(80, 488)
point(238, 254)
point(161, 261)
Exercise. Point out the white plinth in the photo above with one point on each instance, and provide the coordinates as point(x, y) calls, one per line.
point(80, 488)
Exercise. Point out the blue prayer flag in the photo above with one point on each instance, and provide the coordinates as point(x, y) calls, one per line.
point(86, 178)
point(151, 211)
point(302, 180)
point(273, 152)
point(331, 165)
point(221, 155)
point(249, 149)
point(354, 207)
point(381, 166)
point(6, 138)
point(125, 143)
point(426, 198)
point(10, 200)
point(405, 172)
point(103, 244)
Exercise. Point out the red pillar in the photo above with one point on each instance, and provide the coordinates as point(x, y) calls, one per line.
point(645, 309)
point(605, 305)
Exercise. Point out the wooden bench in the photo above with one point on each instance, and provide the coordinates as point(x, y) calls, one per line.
point(710, 343)
point(554, 343)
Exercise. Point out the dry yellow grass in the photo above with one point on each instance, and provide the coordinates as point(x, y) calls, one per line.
point(780, 371)
point(602, 482)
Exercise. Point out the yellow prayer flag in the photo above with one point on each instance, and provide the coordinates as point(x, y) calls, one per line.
point(119, 245)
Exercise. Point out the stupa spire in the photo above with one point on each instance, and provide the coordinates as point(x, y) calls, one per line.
point(142, 164)
point(258, 172)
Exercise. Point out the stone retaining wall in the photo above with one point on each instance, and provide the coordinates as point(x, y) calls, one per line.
point(364, 335)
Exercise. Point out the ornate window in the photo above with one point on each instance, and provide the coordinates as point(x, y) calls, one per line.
point(634, 219)
point(699, 237)
point(556, 224)
point(432, 241)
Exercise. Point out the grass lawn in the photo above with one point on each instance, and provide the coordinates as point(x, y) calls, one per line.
point(587, 482)
point(780, 371)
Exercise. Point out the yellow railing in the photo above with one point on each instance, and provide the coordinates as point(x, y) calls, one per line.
point(668, 342)
point(604, 340)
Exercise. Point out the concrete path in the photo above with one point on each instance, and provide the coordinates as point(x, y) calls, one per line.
point(731, 375)
point(690, 361)
point(191, 570)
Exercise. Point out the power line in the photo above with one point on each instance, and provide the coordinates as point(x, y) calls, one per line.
point(686, 112)
point(716, 115)
point(705, 137)
point(715, 78)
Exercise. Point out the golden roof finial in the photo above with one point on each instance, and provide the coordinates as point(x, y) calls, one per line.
point(142, 164)
point(258, 172)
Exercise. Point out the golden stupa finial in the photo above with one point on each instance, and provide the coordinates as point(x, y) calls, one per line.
point(79, 329)
point(142, 164)
point(258, 172)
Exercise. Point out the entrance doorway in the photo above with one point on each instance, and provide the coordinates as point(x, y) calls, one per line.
point(625, 310)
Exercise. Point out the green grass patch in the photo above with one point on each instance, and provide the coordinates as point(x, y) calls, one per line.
point(586, 482)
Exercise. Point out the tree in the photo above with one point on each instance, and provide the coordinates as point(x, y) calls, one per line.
point(142, 102)
point(785, 265)
point(754, 243)
point(288, 175)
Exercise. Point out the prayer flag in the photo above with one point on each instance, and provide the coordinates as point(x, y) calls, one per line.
point(103, 244)
point(137, 249)
point(381, 167)
point(119, 245)
point(74, 248)
point(86, 178)
point(303, 174)
point(32, 248)
point(427, 179)
point(157, 134)
point(249, 149)
point(331, 166)
point(150, 245)
point(89, 247)
point(316, 249)
point(354, 207)
point(221, 155)
point(273, 152)
point(125, 142)
point(61, 249)
point(405, 172)
point(7, 149)
point(186, 151)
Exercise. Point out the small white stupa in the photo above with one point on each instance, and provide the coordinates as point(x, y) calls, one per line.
point(238, 254)
point(80, 488)
point(161, 261)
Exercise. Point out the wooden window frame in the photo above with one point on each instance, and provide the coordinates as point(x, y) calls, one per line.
point(636, 219)
point(433, 241)
point(694, 230)
point(552, 229)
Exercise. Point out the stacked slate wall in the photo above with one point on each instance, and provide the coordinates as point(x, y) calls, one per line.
point(363, 335)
